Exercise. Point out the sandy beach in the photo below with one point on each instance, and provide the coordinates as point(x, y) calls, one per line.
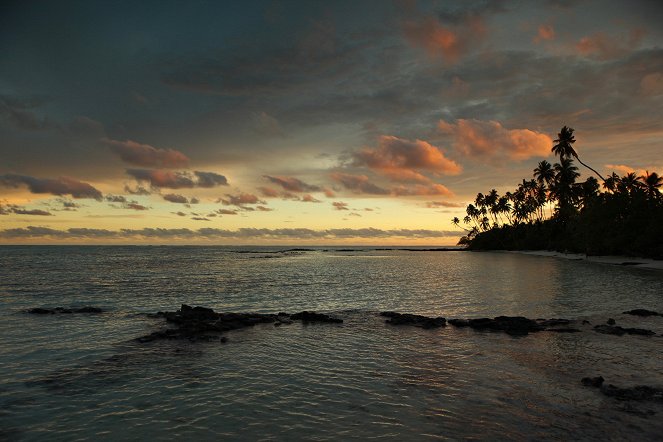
point(644, 263)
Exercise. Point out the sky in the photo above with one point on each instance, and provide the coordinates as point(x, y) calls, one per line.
point(307, 122)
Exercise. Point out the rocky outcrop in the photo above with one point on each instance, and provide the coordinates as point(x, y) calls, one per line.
point(642, 312)
point(516, 325)
point(62, 310)
point(308, 317)
point(637, 393)
point(204, 324)
point(414, 320)
point(619, 331)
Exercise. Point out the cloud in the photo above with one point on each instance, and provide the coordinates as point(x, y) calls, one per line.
point(292, 184)
point(624, 169)
point(37, 232)
point(59, 186)
point(138, 190)
point(605, 47)
point(340, 205)
point(178, 180)
point(199, 218)
point(19, 111)
point(449, 36)
point(210, 179)
point(403, 160)
point(116, 199)
point(267, 125)
point(23, 211)
point(243, 200)
point(419, 189)
point(175, 198)
point(358, 183)
point(438, 204)
point(544, 33)
point(308, 198)
point(227, 212)
point(268, 192)
point(133, 205)
point(652, 84)
point(145, 155)
point(489, 139)
point(264, 209)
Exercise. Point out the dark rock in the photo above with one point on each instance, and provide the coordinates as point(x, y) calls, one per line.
point(414, 320)
point(553, 322)
point(592, 382)
point(204, 324)
point(62, 310)
point(611, 321)
point(642, 312)
point(459, 322)
point(515, 325)
point(307, 316)
point(563, 330)
point(637, 393)
point(619, 331)
point(584, 322)
point(41, 311)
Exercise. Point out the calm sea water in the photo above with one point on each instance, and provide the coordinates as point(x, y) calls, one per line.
point(81, 377)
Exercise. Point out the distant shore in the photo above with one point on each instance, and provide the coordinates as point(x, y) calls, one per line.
point(644, 263)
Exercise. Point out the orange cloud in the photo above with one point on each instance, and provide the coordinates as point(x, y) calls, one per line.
point(402, 160)
point(604, 47)
point(439, 40)
point(292, 184)
point(145, 155)
point(545, 32)
point(432, 189)
point(489, 139)
point(624, 169)
point(652, 84)
point(358, 183)
point(268, 192)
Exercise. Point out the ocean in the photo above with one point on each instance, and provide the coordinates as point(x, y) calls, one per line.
point(85, 376)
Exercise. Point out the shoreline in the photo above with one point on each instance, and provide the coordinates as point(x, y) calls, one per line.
point(642, 263)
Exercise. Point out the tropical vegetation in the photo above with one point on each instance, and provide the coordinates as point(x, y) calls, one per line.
point(618, 215)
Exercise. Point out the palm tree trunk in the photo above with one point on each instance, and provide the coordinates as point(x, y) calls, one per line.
point(590, 169)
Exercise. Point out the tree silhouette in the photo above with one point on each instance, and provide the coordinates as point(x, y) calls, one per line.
point(563, 147)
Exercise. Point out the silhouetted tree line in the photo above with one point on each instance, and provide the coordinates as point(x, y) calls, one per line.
point(621, 215)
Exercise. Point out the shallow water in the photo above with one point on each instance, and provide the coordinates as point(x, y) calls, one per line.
point(76, 377)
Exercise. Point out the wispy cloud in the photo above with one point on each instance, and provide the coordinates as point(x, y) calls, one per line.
point(178, 180)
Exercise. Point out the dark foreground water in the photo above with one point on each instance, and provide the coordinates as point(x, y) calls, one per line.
point(81, 377)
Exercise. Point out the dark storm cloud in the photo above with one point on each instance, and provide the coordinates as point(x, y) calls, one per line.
point(59, 186)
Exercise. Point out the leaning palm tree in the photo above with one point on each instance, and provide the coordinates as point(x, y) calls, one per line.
point(563, 147)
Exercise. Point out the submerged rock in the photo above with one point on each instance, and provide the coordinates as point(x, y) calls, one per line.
point(592, 382)
point(414, 320)
point(307, 316)
point(610, 321)
point(619, 331)
point(516, 325)
point(642, 312)
point(62, 310)
point(637, 393)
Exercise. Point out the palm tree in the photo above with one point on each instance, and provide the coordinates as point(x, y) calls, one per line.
point(544, 173)
point(562, 189)
point(628, 183)
point(611, 182)
point(652, 182)
point(564, 147)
